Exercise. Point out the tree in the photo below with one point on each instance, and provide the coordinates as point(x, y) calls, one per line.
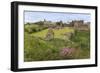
point(60, 23)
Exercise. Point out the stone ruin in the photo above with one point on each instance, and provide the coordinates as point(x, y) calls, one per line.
point(50, 34)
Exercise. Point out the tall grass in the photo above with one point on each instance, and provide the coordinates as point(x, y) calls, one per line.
point(38, 49)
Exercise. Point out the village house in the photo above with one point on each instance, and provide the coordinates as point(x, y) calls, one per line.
point(76, 24)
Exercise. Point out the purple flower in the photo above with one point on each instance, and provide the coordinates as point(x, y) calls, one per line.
point(66, 51)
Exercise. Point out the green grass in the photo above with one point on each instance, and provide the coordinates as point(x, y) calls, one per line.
point(57, 33)
point(36, 48)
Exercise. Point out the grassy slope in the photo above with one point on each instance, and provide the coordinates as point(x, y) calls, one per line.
point(58, 33)
point(37, 49)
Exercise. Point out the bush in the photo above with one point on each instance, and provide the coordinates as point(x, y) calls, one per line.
point(31, 28)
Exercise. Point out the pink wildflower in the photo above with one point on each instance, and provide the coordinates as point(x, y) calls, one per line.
point(66, 51)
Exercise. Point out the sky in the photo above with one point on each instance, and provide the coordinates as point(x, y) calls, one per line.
point(34, 16)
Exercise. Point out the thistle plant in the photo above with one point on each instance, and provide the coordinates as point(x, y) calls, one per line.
point(67, 52)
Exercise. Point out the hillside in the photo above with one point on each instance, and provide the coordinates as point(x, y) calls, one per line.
point(57, 33)
point(43, 42)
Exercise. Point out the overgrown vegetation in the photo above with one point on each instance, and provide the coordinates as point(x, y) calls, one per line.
point(37, 48)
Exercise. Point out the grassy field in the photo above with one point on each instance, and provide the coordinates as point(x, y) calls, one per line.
point(58, 33)
point(36, 48)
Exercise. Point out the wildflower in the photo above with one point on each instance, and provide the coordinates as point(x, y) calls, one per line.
point(67, 51)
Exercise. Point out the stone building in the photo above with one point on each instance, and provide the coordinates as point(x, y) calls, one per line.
point(80, 25)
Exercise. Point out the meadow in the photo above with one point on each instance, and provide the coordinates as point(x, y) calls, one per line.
point(62, 46)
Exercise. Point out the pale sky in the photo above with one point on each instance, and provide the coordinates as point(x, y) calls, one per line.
point(34, 16)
